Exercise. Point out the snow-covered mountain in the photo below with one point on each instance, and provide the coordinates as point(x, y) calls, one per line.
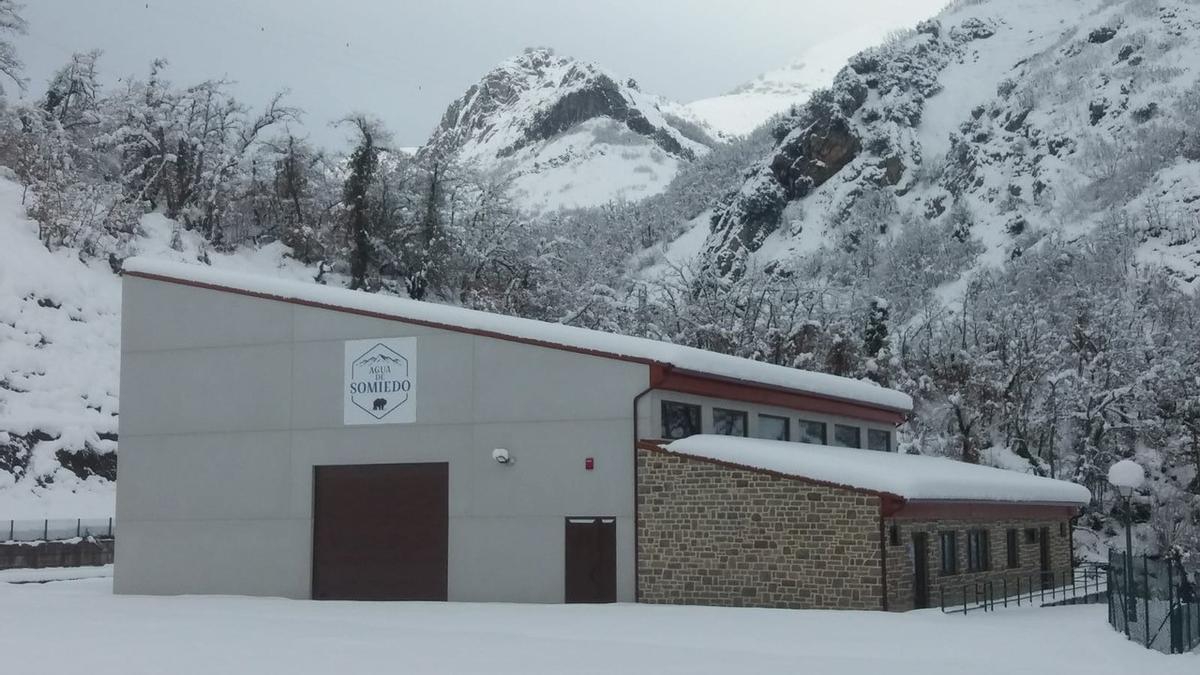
point(749, 106)
point(1016, 119)
point(568, 133)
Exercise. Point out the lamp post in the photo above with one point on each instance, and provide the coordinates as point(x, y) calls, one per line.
point(1127, 476)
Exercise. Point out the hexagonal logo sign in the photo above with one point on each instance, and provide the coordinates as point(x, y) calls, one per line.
point(380, 381)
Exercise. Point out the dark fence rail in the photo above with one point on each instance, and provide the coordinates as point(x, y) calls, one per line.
point(1084, 584)
point(56, 529)
point(1154, 601)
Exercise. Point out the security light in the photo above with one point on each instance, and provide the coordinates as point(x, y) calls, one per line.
point(501, 456)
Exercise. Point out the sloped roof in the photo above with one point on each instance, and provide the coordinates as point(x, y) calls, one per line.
point(543, 333)
point(912, 477)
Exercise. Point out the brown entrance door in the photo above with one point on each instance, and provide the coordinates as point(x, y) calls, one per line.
point(1044, 557)
point(380, 532)
point(591, 556)
point(920, 570)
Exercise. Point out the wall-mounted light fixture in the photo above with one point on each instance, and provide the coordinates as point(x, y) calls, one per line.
point(502, 457)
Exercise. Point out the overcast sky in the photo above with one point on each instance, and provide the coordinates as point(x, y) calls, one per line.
point(405, 60)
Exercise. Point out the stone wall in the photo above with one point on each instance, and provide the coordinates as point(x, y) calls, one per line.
point(900, 563)
point(713, 534)
point(69, 553)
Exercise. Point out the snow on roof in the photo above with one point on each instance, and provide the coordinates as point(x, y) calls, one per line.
point(554, 334)
point(913, 477)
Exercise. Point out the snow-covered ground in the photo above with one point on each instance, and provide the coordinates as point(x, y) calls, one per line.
point(130, 635)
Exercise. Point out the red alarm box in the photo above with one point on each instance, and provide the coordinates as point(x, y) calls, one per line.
point(589, 463)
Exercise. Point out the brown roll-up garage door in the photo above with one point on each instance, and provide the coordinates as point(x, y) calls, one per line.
point(380, 532)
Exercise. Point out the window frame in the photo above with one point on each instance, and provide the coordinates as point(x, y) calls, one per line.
point(887, 437)
point(1012, 545)
point(802, 425)
point(691, 407)
point(787, 426)
point(745, 415)
point(979, 550)
point(951, 568)
point(857, 431)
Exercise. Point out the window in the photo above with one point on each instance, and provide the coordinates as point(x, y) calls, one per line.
point(1031, 535)
point(729, 422)
point(894, 535)
point(847, 436)
point(880, 440)
point(1062, 529)
point(978, 552)
point(1012, 549)
point(774, 428)
point(680, 420)
point(812, 432)
point(949, 542)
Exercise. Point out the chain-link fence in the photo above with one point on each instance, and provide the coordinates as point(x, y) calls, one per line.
point(1154, 601)
point(56, 529)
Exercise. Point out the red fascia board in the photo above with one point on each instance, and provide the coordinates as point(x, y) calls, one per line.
point(984, 510)
point(701, 384)
point(662, 374)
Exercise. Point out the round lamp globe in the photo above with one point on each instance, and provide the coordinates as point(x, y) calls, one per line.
point(1127, 476)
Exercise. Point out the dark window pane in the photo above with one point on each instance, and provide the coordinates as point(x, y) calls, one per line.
point(978, 552)
point(1014, 551)
point(847, 436)
point(949, 542)
point(811, 432)
point(894, 535)
point(774, 428)
point(729, 422)
point(1031, 535)
point(879, 440)
point(680, 420)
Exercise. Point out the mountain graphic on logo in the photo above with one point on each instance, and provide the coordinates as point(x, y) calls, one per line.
point(382, 357)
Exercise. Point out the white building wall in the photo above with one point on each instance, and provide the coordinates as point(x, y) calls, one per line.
point(228, 402)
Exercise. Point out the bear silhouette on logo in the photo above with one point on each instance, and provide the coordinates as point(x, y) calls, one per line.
point(380, 403)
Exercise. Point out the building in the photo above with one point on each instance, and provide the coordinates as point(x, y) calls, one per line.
point(749, 522)
point(289, 439)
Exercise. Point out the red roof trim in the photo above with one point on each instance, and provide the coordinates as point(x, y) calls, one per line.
point(748, 391)
point(690, 382)
point(984, 510)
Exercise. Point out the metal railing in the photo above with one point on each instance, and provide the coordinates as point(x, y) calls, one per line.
point(55, 529)
point(1084, 584)
point(1155, 602)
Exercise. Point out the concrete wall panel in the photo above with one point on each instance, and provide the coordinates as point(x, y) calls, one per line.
point(170, 316)
point(176, 477)
point(315, 324)
point(183, 391)
point(516, 381)
point(265, 557)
